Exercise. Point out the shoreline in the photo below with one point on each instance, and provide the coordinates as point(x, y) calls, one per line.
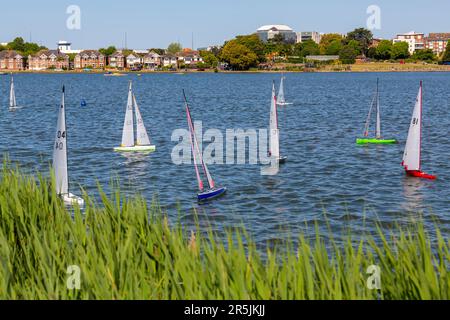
point(235, 72)
point(356, 68)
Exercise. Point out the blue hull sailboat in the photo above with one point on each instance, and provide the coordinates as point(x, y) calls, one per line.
point(212, 191)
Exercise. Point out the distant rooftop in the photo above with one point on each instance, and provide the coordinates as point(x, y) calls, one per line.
point(275, 27)
point(411, 33)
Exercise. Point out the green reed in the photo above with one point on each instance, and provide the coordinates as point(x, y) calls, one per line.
point(128, 250)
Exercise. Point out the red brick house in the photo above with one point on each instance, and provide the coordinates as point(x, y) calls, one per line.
point(48, 59)
point(11, 60)
point(117, 60)
point(437, 42)
point(90, 59)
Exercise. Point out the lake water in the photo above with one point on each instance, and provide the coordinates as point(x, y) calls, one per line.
point(326, 172)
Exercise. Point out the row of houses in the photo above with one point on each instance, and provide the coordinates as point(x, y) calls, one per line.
point(93, 59)
point(419, 41)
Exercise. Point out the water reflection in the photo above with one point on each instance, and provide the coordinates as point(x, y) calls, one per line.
point(412, 194)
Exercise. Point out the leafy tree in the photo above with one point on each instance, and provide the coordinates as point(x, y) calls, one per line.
point(333, 48)
point(127, 52)
point(158, 51)
point(277, 39)
point(25, 48)
point(372, 52)
point(424, 55)
point(446, 56)
point(174, 48)
point(348, 53)
point(108, 51)
point(363, 36)
point(209, 58)
point(326, 41)
point(384, 49)
point(17, 44)
point(238, 56)
point(72, 57)
point(2, 48)
point(254, 44)
point(400, 50)
point(306, 48)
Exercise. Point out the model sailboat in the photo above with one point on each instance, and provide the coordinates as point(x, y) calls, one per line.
point(12, 96)
point(212, 191)
point(274, 142)
point(378, 139)
point(142, 143)
point(281, 101)
point(60, 159)
point(412, 155)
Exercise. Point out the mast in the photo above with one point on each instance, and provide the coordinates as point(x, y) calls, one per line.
point(65, 129)
point(378, 132)
point(60, 151)
point(420, 124)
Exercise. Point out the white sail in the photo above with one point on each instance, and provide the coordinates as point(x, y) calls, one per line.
point(378, 132)
point(274, 143)
point(128, 127)
point(411, 156)
point(281, 99)
point(12, 95)
point(60, 152)
point(142, 136)
point(366, 129)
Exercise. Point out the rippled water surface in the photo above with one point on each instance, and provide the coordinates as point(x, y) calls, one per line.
point(325, 173)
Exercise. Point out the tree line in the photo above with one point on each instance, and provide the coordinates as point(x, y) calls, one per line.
point(248, 51)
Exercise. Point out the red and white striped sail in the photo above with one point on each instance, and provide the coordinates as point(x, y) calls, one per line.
point(411, 156)
point(197, 153)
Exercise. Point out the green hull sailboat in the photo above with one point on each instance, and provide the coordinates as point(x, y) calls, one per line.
point(378, 139)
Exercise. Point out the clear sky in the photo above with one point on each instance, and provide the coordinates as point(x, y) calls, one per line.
point(150, 23)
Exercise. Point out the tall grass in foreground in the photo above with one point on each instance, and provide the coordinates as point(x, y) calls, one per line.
point(126, 250)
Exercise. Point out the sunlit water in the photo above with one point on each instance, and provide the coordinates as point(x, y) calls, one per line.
point(326, 172)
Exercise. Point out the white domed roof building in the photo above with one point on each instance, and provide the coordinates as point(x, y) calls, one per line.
point(268, 32)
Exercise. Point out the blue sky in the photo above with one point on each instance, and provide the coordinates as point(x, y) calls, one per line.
point(157, 23)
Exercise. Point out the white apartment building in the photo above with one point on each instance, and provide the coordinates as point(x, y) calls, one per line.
point(309, 35)
point(416, 41)
point(64, 47)
point(269, 32)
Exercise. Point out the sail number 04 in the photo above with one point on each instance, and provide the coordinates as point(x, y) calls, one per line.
point(60, 145)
